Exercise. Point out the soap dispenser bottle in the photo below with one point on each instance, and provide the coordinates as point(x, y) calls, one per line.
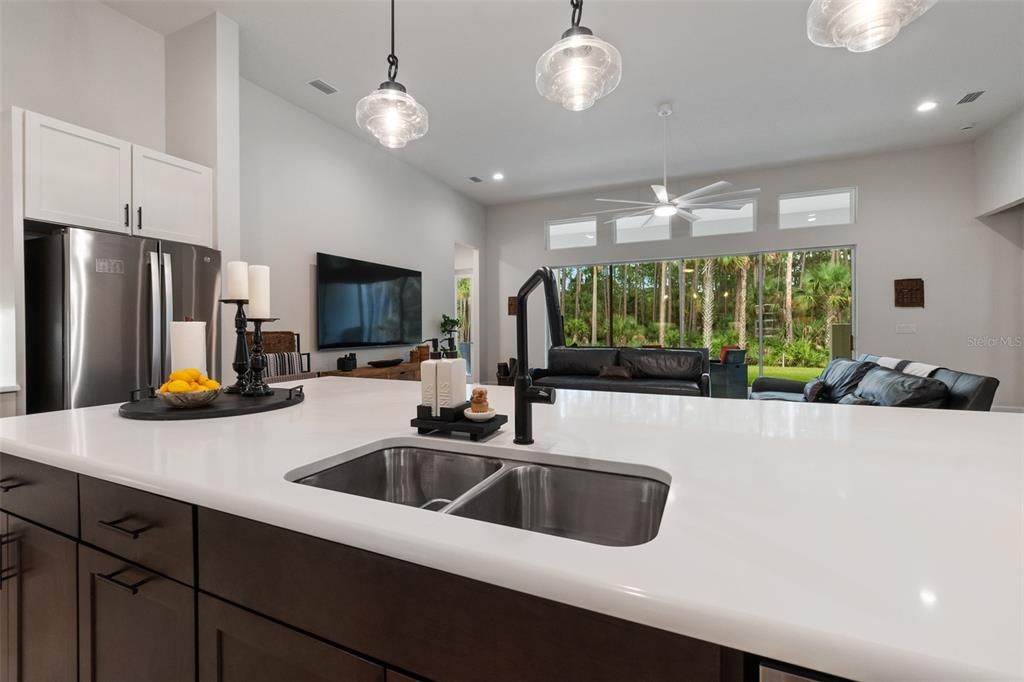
point(451, 382)
point(428, 383)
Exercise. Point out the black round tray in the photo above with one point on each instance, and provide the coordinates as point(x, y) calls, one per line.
point(152, 408)
point(378, 364)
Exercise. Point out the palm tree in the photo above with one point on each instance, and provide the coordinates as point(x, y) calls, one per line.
point(828, 284)
point(787, 311)
point(593, 309)
point(709, 300)
point(663, 296)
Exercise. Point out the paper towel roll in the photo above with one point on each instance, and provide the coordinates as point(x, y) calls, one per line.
point(188, 346)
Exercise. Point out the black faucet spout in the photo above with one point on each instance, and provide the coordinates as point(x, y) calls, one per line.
point(526, 394)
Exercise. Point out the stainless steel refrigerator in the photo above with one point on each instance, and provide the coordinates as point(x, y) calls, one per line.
point(98, 306)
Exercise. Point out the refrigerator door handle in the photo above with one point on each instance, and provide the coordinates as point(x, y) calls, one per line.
point(168, 310)
point(156, 376)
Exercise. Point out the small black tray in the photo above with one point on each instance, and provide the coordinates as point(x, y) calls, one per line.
point(476, 430)
point(448, 414)
point(152, 408)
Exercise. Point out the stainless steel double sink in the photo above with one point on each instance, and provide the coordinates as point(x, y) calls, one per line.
point(581, 504)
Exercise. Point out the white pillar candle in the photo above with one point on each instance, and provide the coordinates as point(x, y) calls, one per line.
point(188, 346)
point(236, 281)
point(259, 291)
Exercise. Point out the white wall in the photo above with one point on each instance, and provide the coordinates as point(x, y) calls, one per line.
point(999, 162)
point(915, 219)
point(203, 126)
point(308, 186)
point(85, 63)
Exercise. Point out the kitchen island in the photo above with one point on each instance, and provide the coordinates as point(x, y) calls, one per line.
point(864, 542)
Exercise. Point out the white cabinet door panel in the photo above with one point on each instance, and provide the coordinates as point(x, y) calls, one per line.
point(76, 176)
point(173, 198)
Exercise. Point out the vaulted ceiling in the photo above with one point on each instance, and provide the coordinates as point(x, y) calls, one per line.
point(747, 86)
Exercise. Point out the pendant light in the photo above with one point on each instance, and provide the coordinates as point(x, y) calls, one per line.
point(580, 68)
point(860, 25)
point(391, 114)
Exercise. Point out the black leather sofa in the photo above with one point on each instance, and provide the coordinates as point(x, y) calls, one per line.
point(864, 382)
point(662, 371)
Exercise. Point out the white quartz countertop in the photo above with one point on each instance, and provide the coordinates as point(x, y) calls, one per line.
point(867, 542)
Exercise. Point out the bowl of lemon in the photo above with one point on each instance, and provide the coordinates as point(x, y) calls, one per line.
point(189, 388)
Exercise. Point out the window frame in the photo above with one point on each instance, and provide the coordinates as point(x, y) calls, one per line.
point(568, 221)
point(615, 232)
point(851, 191)
point(752, 230)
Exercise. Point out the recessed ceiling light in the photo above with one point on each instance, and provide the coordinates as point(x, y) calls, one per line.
point(499, 176)
point(811, 219)
point(926, 106)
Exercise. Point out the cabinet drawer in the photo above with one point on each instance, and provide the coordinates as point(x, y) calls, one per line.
point(439, 625)
point(132, 624)
point(147, 529)
point(40, 493)
point(237, 646)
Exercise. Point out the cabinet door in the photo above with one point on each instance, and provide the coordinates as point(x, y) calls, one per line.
point(237, 646)
point(132, 624)
point(173, 198)
point(37, 593)
point(76, 176)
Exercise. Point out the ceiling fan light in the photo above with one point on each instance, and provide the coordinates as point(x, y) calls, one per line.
point(392, 115)
point(665, 210)
point(578, 70)
point(861, 25)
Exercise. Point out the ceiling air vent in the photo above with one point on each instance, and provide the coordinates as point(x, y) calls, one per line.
point(473, 178)
point(970, 97)
point(323, 87)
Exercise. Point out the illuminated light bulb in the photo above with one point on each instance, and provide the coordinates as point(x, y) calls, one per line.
point(578, 70)
point(861, 25)
point(392, 115)
point(665, 210)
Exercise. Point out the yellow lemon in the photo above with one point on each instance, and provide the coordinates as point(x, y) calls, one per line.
point(180, 375)
point(178, 386)
point(202, 379)
point(193, 373)
point(163, 389)
point(211, 384)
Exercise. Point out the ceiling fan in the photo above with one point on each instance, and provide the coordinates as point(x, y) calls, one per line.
point(717, 195)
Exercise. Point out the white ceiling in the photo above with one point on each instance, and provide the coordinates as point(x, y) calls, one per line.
point(747, 86)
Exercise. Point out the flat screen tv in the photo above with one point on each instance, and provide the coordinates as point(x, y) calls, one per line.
point(362, 304)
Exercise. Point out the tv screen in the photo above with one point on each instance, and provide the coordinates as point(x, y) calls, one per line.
point(363, 304)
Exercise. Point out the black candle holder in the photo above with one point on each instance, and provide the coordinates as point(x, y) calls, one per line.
point(241, 362)
point(256, 386)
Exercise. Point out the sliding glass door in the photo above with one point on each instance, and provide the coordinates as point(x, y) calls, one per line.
point(791, 310)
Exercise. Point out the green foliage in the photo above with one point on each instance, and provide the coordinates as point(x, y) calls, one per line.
point(449, 325)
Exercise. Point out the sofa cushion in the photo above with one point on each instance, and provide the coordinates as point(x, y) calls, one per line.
point(814, 390)
point(788, 396)
point(842, 376)
point(663, 363)
point(614, 372)
point(853, 399)
point(649, 386)
point(894, 389)
point(580, 361)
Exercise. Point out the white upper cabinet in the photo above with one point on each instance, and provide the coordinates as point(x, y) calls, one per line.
point(75, 176)
point(173, 199)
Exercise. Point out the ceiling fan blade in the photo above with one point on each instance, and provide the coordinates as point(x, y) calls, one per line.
point(725, 197)
point(708, 189)
point(616, 210)
point(661, 193)
point(646, 222)
point(727, 205)
point(686, 215)
point(626, 201)
point(628, 215)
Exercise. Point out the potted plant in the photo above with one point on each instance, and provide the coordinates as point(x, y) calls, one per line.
point(450, 325)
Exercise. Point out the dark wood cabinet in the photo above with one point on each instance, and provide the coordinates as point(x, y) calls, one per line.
point(238, 646)
point(46, 495)
point(37, 603)
point(132, 624)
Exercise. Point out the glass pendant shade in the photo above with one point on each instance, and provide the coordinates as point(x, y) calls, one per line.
point(392, 115)
point(578, 70)
point(860, 25)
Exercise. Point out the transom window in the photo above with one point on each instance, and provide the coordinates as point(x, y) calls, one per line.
point(815, 209)
point(643, 228)
point(715, 221)
point(574, 233)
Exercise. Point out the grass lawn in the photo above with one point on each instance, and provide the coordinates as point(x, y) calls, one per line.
point(803, 374)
